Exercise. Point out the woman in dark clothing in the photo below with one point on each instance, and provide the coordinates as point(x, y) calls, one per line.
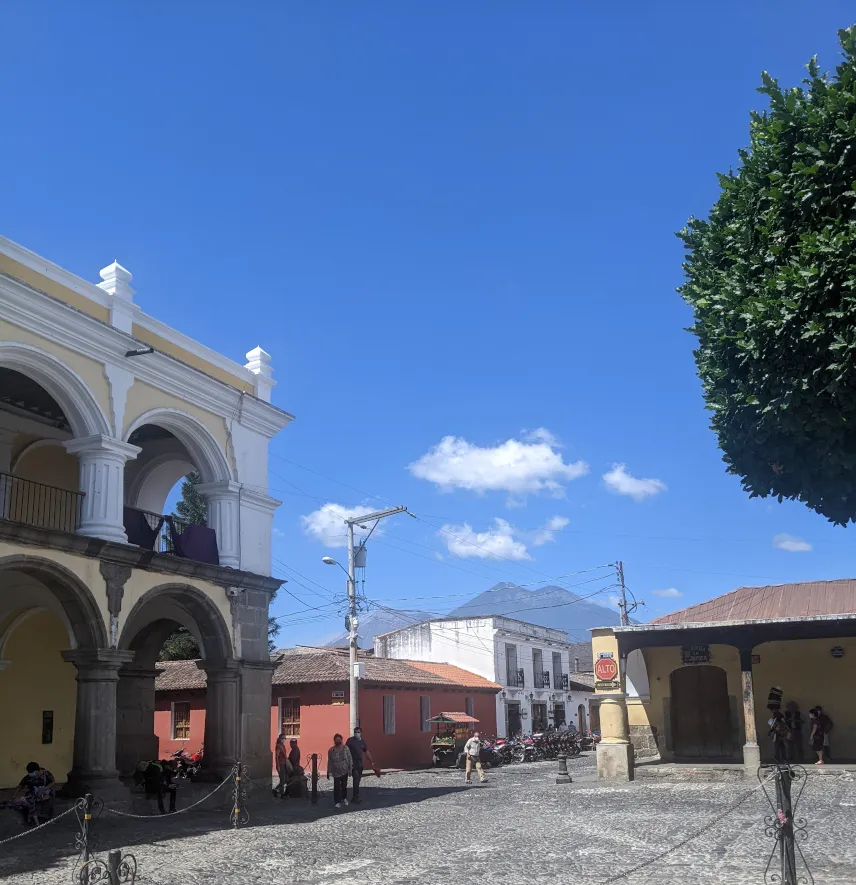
point(818, 734)
point(780, 734)
point(37, 791)
point(794, 720)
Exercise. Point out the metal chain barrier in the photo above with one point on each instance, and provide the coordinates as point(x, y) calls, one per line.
point(686, 840)
point(53, 820)
point(181, 811)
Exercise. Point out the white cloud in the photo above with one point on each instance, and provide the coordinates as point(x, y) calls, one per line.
point(277, 533)
point(791, 543)
point(621, 482)
point(327, 523)
point(541, 435)
point(515, 466)
point(498, 541)
point(547, 534)
point(668, 593)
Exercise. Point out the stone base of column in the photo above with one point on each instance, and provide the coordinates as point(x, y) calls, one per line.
point(615, 761)
point(102, 785)
point(751, 760)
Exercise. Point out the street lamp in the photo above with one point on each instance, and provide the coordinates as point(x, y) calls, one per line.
point(353, 623)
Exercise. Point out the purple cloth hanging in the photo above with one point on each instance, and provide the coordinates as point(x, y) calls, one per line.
point(196, 542)
point(138, 530)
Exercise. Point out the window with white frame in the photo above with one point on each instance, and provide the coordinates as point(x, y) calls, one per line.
point(389, 714)
point(424, 712)
point(181, 720)
point(289, 716)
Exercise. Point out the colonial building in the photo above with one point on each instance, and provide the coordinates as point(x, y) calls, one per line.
point(309, 701)
point(537, 667)
point(102, 409)
point(695, 686)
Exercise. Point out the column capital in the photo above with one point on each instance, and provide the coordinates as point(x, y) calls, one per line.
point(131, 672)
point(101, 446)
point(98, 664)
point(222, 670)
point(225, 488)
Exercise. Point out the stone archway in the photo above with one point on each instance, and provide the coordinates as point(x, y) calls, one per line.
point(150, 622)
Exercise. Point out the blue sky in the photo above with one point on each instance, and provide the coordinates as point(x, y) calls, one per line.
point(442, 220)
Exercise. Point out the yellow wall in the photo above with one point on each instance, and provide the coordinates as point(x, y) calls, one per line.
point(51, 465)
point(36, 679)
point(809, 675)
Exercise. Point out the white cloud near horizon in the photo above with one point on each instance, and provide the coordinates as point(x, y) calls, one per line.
point(327, 524)
point(668, 593)
point(546, 534)
point(497, 541)
point(620, 481)
point(519, 467)
point(791, 543)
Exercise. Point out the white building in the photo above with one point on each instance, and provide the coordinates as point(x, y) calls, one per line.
point(533, 664)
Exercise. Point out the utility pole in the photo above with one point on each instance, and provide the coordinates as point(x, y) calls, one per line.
point(353, 621)
point(624, 619)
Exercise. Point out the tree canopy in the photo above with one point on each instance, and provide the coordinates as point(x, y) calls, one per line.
point(771, 276)
point(192, 506)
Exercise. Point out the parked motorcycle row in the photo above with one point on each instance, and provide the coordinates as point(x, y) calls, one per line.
point(534, 748)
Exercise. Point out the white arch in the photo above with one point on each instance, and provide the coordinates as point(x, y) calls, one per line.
point(25, 615)
point(38, 444)
point(154, 480)
point(637, 676)
point(205, 452)
point(78, 403)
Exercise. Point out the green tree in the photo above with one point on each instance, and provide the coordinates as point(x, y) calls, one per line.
point(771, 276)
point(192, 506)
point(180, 646)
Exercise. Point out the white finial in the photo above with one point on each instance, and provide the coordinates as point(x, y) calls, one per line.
point(117, 281)
point(258, 362)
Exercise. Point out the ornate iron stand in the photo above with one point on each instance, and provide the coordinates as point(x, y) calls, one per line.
point(239, 815)
point(784, 826)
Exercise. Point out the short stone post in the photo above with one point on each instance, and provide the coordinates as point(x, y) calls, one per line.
point(314, 760)
point(563, 777)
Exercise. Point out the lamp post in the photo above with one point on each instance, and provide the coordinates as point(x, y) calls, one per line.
point(353, 622)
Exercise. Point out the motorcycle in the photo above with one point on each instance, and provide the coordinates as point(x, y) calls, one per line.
point(505, 748)
point(188, 764)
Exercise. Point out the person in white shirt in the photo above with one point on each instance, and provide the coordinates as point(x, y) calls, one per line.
point(472, 751)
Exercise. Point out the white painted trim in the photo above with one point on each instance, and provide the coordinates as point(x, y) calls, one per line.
point(38, 444)
point(62, 324)
point(204, 450)
point(77, 401)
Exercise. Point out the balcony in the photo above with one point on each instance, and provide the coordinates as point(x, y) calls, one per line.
point(170, 535)
point(542, 679)
point(515, 679)
point(560, 680)
point(36, 504)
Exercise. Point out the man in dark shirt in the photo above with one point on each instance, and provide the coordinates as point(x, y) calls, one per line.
point(159, 781)
point(294, 754)
point(36, 792)
point(358, 749)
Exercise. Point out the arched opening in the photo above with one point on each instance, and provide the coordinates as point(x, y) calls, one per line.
point(44, 611)
point(175, 447)
point(700, 713)
point(582, 725)
point(147, 728)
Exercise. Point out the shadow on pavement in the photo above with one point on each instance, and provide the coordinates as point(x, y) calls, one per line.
point(53, 846)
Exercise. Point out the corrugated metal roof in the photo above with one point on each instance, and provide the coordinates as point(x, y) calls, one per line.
point(807, 599)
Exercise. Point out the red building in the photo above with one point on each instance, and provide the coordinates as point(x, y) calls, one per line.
point(310, 702)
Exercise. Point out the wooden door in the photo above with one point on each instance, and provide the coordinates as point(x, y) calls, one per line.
point(701, 718)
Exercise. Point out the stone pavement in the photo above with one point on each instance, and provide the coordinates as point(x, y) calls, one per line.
point(427, 827)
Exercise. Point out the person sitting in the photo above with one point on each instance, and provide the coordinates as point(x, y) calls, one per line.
point(36, 792)
point(159, 780)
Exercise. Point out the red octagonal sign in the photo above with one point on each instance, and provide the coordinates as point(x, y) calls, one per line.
point(606, 670)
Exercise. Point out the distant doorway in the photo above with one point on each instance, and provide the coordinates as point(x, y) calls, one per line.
point(700, 714)
point(559, 715)
point(581, 718)
point(514, 726)
point(539, 718)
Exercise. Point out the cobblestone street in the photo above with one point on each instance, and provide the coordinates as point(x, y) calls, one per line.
point(424, 827)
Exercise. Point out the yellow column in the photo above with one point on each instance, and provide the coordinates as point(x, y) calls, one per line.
point(614, 752)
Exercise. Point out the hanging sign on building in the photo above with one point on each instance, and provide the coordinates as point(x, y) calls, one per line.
point(339, 694)
point(695, 654)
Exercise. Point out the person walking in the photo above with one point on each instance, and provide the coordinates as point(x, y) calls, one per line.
point(795, 721)
point(359, 750)
point(781, 735)
point(294, 754)
point(818, 738)
point(339, 764)
point(472, 757)
point(282, 768)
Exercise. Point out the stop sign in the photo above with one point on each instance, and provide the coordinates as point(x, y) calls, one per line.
point(606, 670)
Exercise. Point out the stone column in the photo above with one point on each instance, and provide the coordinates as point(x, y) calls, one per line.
point(135, 718)
point(614, 752)
point(751, 750)
point(223, 506)
point(94, 765)
point(256, 702)
point(102, 480)
point(222, 715)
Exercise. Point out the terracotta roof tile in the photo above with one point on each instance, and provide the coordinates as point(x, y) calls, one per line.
point(179, 676)
point(455, 674)
point(802, 600)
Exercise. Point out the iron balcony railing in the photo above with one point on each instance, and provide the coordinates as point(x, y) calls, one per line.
point(40, 505)
point(160, 538)
point(515, 679)
point(560, 680)
point(542, 679)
